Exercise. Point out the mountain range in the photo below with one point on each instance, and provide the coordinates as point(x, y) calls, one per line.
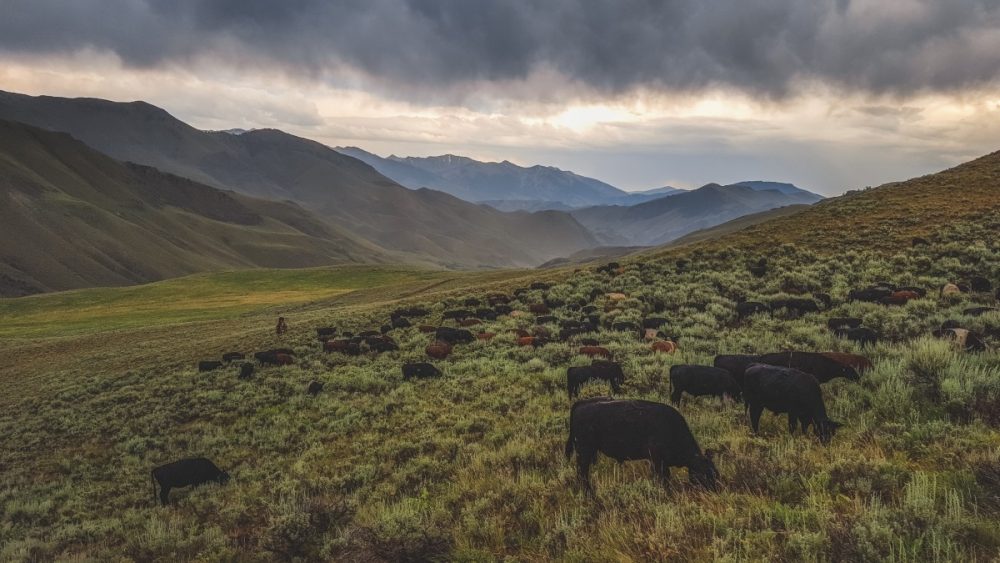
point(158, 198)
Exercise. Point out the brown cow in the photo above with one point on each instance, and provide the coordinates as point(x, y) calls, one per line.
point(469, 322)
point(427, 328)
point(439, 350)
point(541, 331)
point(950, 289)
point(526, 341)
point(616, 297)
point(594, 351)
point(539, 309)
point(900, 297)
point(284, 359)
point(860, 364)
point(665, 346)
point(650, 334)
point(486, 335)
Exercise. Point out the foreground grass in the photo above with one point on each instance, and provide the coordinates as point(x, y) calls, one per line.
point(470, 466)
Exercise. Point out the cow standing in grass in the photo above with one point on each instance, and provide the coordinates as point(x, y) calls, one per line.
point(185, 473)
point(787, 390)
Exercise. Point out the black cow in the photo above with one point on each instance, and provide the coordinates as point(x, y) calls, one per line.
point(589, 309)
point(246, 370)
point(270, 357)
point(184, 473)
point(862, 335)
point(598, 369)
point(457, 314)
point(369, 333)
point(472, 302)
point(569, 332)
point(654, 322)
point(209, 365)
point(977, 311)
point(420, 370)
point(486, 314)
point(326, 332)
point(835, 323)
point(379, 344)
point(400, 322)
point(819, 366)
point(736, 364)
point(870, 294)
point(233, 356)
point(795, 305)
point(315, 388)
point(625, 326)
point(544, 319)
point(980, 284)
point(453, 335)
point(747, 308)
point(919, 241)
point(702, 380)
point(542, 286)
point(503, 309)
point(411, 312)
point(627, 430)
point(825, 299)
point(787, 390)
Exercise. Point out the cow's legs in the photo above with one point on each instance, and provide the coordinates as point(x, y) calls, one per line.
point(164, 495)
point(661, 470)
point(755, 412)
point(584, 459)
point(792, 423)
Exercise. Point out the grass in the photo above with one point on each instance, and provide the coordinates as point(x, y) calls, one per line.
point(470, 466)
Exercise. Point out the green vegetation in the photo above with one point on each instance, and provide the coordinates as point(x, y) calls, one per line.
point(470, 466)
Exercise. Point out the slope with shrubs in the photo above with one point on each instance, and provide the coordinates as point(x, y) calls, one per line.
point(470, 466)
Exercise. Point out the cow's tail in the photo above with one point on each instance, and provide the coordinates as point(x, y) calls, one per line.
point(570, 443)
point(152, 480)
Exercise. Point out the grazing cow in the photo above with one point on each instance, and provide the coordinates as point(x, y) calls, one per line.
point(545, 319)
point(627, 430)
point(859, 363)
point(735, 364)
point(568, 332)
point(453, 335)
point(589, 342)
point(978, 311)
point(233, 356)
point(283, 359)
point(542, 331)
point(835, 323)
point(420, 370)
point(469, 322)
point(380, 344)
point(539, 309)
point(963, 339)
point(503, 309)
point(758, 271)
point(486, 314)
point(921, 292)
point(654, 322)
point(411, 312)
point(615, 297)
point(594, 351)
point(486, 336)
point(702, 380)
point(787, 390)
point(862, 335)
point(495, 299)
point(980, 284)
point(664, 347)
point(325, 332)
point(456, 314)
point(246, 370)
point(747, 308)
point(870, 295)
point(950, 289)
point(534, 341)
point(369, 333)
point(553, 303)
point(344, 346)
point(795, 305)
point(439, 349)
point(209, 365)
point(540, 286)
point(589, 309)
point(426, 329)
point(825, 299)
point(624, 326)
point(598, 369)
point(314, 388)
point(472, 302)
point(400, 322)
point(385, 329)
point(185, 473)
point(919, 241)
point(820, 366)
point(899, 298)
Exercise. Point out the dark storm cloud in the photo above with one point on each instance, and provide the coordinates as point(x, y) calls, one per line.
point(764, 47)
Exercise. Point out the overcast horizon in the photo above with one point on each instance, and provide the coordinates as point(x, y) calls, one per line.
point(829, 95)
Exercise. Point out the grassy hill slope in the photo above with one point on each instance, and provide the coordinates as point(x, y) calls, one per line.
point(73, 217)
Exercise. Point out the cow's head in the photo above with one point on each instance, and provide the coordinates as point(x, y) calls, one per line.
point(702, 471)
point(826, 429)
point(222, 478)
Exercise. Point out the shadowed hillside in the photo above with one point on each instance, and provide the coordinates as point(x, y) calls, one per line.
point(73, 217)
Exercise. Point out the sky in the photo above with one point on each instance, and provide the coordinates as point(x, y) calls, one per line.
point(829, 94)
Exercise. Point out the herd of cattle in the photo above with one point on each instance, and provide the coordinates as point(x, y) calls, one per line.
point(788, 382)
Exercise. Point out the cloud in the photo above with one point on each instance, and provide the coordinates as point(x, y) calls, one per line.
point(474, 52)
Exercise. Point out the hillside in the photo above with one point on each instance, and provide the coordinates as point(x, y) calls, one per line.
point(738, 224)
point(503, 185)
point(887, 217)
point(273, 164)
point(73, 217)
point(668, 218)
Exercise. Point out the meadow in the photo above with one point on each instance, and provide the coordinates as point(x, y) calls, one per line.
point(470, 466)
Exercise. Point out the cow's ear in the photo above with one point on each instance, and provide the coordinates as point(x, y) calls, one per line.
point(710, 454)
